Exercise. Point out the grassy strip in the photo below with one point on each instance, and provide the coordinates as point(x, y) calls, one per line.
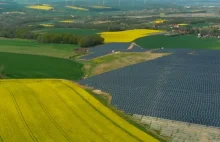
point(32, 47)
point(127, 117)
point(184, 41)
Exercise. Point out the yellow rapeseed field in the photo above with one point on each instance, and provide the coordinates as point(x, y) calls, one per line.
point(78, 8)
point(159, 21)
point(47, 25)
point(58, 110)
point(127, 36)
point(67, 21)
point(40, 7)
point(100, 7)
point(183, 24)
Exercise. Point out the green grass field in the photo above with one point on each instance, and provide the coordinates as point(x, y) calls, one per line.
point(70, 31)
point(33, 47)
point(34, 66)
point(187, 41)
point(201, 25)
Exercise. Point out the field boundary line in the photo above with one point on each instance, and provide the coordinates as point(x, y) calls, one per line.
point(22, 117)
point(48, 114)
point(123, 129)
point(78, 116)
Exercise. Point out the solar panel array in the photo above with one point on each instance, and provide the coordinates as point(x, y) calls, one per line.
point(105, 49)
point(181, 86)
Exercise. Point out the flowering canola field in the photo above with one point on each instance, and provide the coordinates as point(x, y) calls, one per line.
point(128, 35)
point(40, 7)
point(182, 24)
point(100, 7)
point(47, 25)
point(159, 21)
point(77, 8)
point(58, 110)
point(67, 21)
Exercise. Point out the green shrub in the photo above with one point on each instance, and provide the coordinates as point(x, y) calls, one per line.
point(90, 41)
point(2, 71)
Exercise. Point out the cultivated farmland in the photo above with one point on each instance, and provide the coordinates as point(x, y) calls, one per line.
point(100, 7)
point(77, 8)
point(127, 36)
point(67, 21)
point(40, 7)
point(159, 21)
point(183, 86)
point(47, 25)
point(58, 110)
point(33, 47)
point(33, 66)
point(186, 41)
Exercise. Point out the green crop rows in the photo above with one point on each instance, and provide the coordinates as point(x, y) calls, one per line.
point(33, 66)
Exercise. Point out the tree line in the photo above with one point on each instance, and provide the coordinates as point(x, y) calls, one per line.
point(26, 33)
point(82, 41)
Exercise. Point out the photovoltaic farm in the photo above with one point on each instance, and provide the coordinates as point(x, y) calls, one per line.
point(58, 110)
point(183, 86)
